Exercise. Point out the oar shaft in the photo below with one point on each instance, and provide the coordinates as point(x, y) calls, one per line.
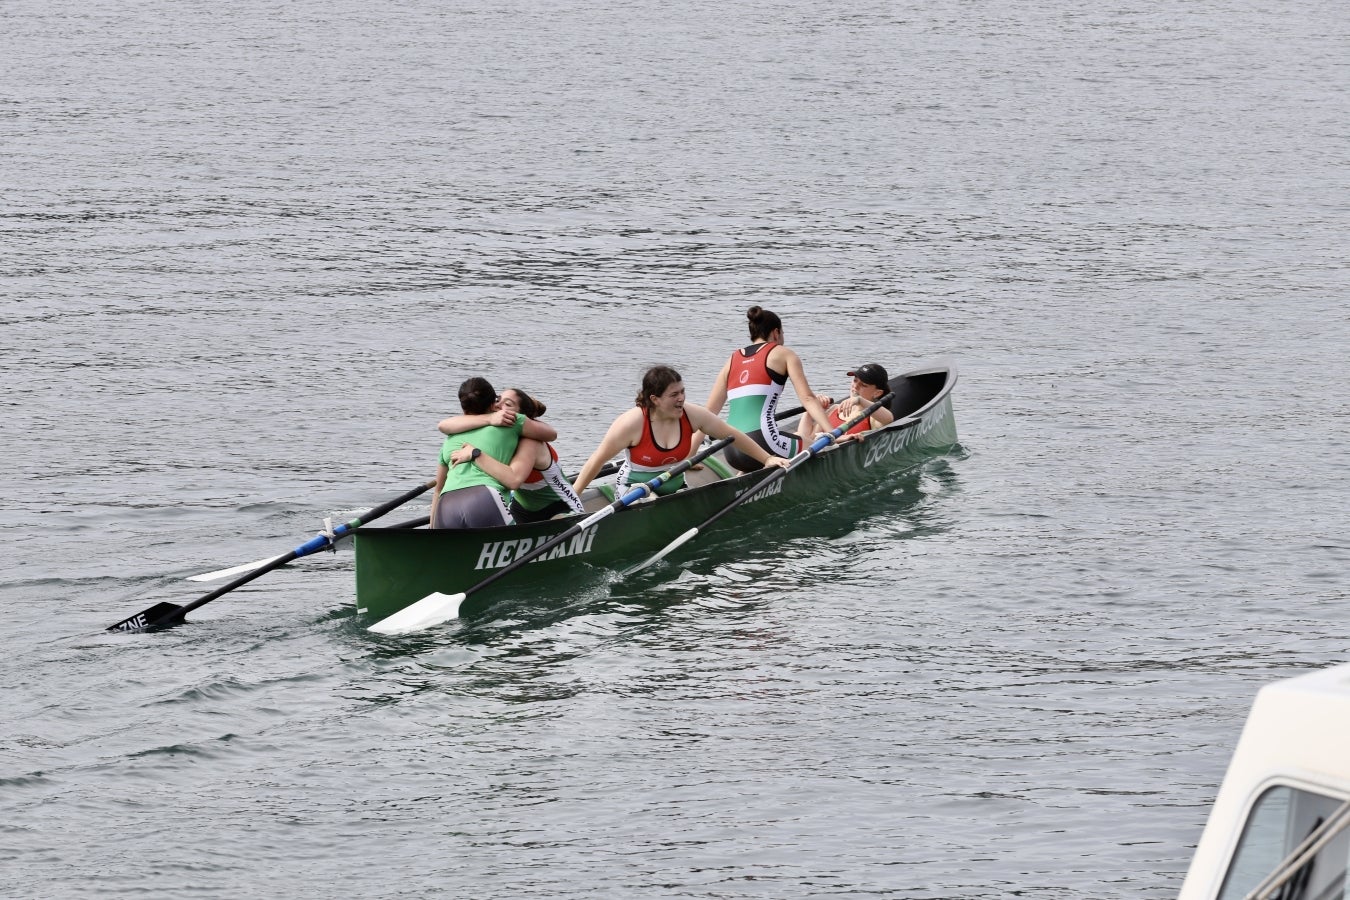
point(776, 475)
point(320, 541)
point(225, 589)
point(162, 614)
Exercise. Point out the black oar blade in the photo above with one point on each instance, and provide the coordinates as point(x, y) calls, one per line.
point(157, 616)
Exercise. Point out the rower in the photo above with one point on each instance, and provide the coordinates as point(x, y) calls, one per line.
point(659, 432)
point(467, 495)
point(870, 383)
point(753, 379)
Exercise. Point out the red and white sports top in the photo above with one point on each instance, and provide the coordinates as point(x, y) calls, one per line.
point(647, 459)
point(753, 390)
point(836, 420)
point(536, 478)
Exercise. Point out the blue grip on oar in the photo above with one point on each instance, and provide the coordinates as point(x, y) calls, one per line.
point(313, 545)
point(637, 491)
point(322, 541)
point(828, 438)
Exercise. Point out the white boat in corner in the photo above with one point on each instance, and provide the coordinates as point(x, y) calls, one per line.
point(1278, 829)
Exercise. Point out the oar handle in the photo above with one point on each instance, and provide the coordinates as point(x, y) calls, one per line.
point(323, 539)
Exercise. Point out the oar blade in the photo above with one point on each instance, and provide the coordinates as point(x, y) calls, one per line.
point(233, 570)
point(148, 617)
point(433, 609)
point(666, 551)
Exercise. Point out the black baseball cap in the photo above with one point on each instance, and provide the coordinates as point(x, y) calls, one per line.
point(873, 374)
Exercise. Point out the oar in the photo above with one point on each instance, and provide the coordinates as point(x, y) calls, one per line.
point(162, 615)
point(436, 608)
point(819, 444)
point(606, 469)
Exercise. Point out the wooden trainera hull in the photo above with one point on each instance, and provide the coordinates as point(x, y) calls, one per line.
point(397, 567)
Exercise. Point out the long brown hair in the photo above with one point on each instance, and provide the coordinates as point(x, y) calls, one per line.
point(654, 383)
point(532, 408)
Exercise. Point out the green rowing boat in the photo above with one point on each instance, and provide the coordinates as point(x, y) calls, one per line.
point(396, 567)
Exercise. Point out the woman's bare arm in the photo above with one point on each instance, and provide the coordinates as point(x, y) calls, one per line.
point(624, 432)
point(511, 476)
point(798, 377)
point(705, 421)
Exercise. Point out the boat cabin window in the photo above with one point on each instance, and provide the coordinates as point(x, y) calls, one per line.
point(1281, 819)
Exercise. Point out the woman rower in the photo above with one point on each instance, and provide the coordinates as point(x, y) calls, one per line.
point(870, 384)
point(539, 490)
point(466, 496)
point(659, 432)
point(753, 379)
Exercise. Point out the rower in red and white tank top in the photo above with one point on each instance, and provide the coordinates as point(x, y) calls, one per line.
point(753, 390)
point(647, 458)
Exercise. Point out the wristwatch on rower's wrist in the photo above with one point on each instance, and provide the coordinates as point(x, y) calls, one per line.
point(474, 454)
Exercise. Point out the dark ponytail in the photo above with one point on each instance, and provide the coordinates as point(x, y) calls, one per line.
point(762, 323)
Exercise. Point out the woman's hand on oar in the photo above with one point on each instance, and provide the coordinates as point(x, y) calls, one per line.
point(819, 444)
point(436, 608)
point(162, 615)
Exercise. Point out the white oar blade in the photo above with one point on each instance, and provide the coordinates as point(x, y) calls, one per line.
point(433, 609)
point(234, 570)
point(666, 551)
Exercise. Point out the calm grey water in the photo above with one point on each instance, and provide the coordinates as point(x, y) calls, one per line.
point(248, 251)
